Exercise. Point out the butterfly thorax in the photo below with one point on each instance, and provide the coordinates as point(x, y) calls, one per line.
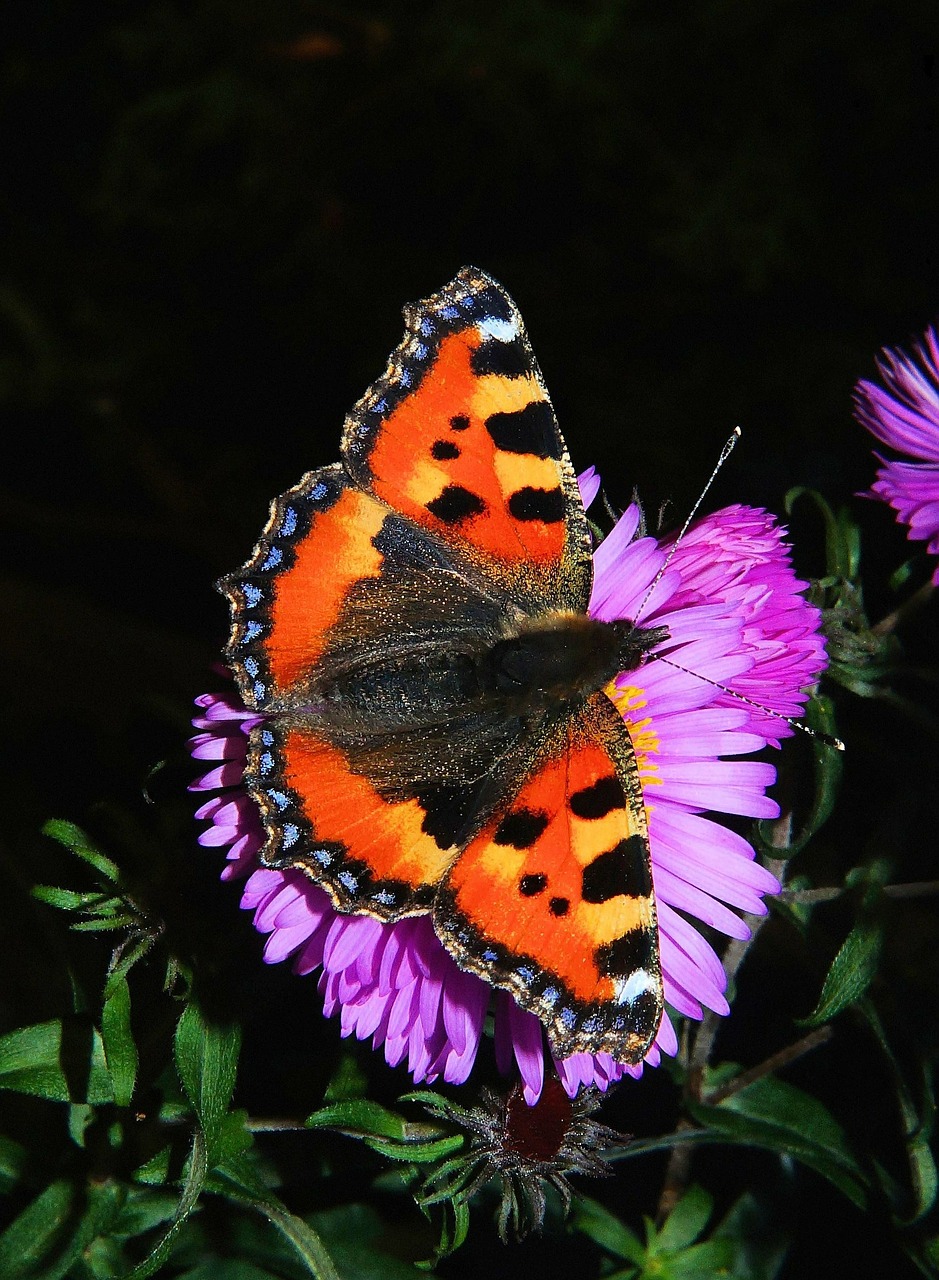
point(562, 658)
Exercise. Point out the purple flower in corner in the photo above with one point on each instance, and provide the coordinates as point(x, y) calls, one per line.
point(904, 415)
point(735, 615)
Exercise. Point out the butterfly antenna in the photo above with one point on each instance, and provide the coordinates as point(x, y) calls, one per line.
point(725, 454)
point(829, 739)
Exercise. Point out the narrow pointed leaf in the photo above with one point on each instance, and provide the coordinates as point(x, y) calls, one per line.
point(12, 1163)
point(779, 1117)
point(34, 1234)
point(851, 973)
point(207, 1061)
point(361, 1117)
point(196, 1171)
point(78, 843)
point(605, 1229)
point(120, 1050)
point(237, 1180)
point(685, 1222)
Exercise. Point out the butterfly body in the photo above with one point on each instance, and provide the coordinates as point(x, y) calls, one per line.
point(413, 625)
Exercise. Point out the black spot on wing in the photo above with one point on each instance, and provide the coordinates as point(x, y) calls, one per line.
point(622, 869)
point(546, 505)
point(531, 885)
point(446, 810)
point(634, 950)
point(599, 799)
point(454, 504)
point(444, 450)
point(521, 828)
point(559, 906)
point(529, 430)
point(510, 359)
point(459, 422)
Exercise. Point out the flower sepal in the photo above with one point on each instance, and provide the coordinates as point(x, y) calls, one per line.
point(525, 1152)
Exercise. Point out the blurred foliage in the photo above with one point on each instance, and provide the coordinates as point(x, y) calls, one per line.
point(211, 215)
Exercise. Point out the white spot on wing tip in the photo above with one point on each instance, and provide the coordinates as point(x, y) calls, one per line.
point(637, 984)
point(502, 330)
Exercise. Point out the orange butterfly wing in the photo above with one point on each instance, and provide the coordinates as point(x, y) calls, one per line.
point(459, 435)
point(553, 899)
point(371, 855)
point(285, 600)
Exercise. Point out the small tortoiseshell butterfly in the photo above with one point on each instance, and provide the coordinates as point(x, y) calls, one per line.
point(413, 625)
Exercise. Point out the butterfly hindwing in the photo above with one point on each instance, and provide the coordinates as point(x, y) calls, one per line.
point(459, 435)
point(371, 854)
point(553, 899)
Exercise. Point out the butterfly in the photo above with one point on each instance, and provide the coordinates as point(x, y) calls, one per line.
point(436, 737)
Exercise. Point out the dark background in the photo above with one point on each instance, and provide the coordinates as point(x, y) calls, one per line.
point(212, 213)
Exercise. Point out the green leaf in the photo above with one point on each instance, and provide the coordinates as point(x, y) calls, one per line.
point(142, 1211)
point(455, 1229)
point(760, 1243)
point(385, 1131)
point(348, 1081)
point(918, 1129)
point(30, 1237)
point(129, 958)
point(360, 1117)
point(119, 1049)
point(902, 575)
point(102, 925)
point(850, 543)
point(40, 1237)
point(851, 973)
point(69, 899)
point(606, 1230)
point(80, 1117)
point(207, 1062)
point(155, 1171)
point(841, 536)
point(705, 1261)
point(62, 1061)
point(924, 1174)
point(354, 1234)
point(685, 1222)
point(236, 1179)
point(78, 843)
point(777, 1116)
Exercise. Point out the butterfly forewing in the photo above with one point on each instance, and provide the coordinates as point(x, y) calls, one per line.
point(460, 436)
point(292, 591)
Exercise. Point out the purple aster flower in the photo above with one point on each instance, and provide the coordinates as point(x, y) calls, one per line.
point(735, 615)
point(904, 414)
